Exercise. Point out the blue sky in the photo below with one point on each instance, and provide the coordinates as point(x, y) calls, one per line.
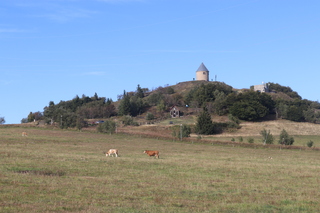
point(53, 50)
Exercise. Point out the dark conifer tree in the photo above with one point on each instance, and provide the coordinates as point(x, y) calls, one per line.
point(124, 106)
point(204, 123)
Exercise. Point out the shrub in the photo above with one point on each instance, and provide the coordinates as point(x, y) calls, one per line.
point(267, 137)
point(149, 116)
point(108, 126)
point(250, 140)
point(310, 143)
point(169, 90)
point(128, 121)
point(285, 139)
point(232, 125)
point(233, 119)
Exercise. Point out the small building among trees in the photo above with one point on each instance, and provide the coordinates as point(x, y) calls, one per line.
point(175, 112)
point(261, 88)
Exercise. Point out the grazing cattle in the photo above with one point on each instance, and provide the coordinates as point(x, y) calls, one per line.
point(152, 153)
point(112, 151)
point(24, 134)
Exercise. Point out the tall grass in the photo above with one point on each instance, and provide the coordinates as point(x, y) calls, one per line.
point(65, 171)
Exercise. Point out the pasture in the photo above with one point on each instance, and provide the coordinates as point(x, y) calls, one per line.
point(67, 171)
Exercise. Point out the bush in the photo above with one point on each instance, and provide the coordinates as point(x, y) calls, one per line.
point(310, 143)
point(128, 121)
point(234, 119)
point(149, 116)
point(108, 126)
point(285, 139)
point(267, 137)
point(232, 125)
point(250, 140)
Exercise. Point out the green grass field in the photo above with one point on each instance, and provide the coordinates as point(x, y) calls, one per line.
point(66, 171)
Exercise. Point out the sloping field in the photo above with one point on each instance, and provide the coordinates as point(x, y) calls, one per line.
point(275, 127)
point(301, 131)
point(66, 171)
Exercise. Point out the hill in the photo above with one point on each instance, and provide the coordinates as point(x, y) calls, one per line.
point(275, 110)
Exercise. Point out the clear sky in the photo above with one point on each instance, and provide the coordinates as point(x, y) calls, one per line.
point(52, 50)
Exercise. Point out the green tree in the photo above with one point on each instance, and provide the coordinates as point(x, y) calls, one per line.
point(68, 119)
point(206, 93)
point(287, 90)
point(155, 98)
point(311, 115)
point(161, 107)
point(80, 123)
point(295, 113)
point(281, 109)
point(24, 120)
point(219, 103)
point(124, 106)
point(139, 93)
point(31, 117)
point(136, 106)
point(169, 90)
point(95, 97)
point(249, 111)
point(250, 106)
point(285, 139)
point(267, 137)
point(204, 124)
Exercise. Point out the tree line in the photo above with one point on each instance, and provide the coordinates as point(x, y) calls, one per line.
point(251, 105)
point(216, 98)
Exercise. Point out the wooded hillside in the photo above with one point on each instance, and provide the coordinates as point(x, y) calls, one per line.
point(217, 98)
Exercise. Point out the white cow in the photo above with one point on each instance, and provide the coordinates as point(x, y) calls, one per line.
point(112, 151)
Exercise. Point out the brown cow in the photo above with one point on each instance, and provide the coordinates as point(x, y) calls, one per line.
point(24, 134)
point(152, 153)
point(112, 151)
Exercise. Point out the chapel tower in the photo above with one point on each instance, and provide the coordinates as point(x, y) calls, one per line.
point(202, 74)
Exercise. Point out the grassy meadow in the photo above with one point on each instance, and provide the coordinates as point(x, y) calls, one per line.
point(66, 171)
